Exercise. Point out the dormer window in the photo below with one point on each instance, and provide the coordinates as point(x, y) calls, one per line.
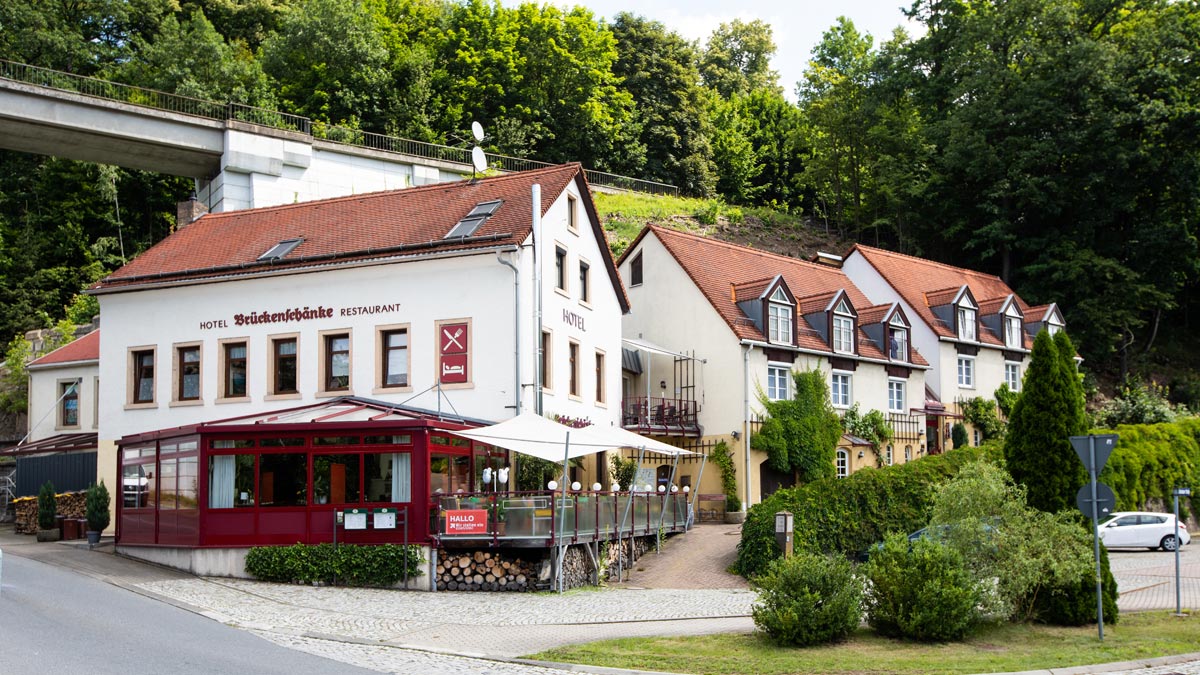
point(843, 329)
point(966, 323)
point(780, 318)
point(1012, 332)
point(1053, 328)
point(898, 343)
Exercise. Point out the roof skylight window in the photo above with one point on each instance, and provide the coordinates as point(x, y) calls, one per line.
point(281, 249)
point(471, 223)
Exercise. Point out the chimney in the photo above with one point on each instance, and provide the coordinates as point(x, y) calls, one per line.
point(823, 258)
point(188, 212)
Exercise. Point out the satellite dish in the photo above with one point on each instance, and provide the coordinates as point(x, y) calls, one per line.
point(478, 159)
point(477, 131)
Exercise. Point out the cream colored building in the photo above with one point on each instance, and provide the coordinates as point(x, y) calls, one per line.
point(713, 325)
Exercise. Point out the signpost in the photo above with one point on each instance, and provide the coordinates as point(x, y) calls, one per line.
point(1094, 452)
point(1177, 493)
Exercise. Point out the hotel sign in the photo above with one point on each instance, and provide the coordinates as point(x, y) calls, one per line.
point(453, 341)
point(466, 521)
point(296, 314)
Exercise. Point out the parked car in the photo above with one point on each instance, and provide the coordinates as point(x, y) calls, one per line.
point(1140, 529)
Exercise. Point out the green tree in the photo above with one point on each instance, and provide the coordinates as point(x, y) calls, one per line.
point(801, 435)
point(737, 163)
point(737, 58)
point(1078, 422)
point(1037, 448)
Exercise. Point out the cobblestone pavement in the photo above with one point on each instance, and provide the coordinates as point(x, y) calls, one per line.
point(1146, 579)
point(697, 560)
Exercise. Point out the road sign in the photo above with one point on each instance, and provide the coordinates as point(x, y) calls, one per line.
point(1104, 447)
point(1106, 500)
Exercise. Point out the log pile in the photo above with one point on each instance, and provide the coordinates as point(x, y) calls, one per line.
point(70, 505)
point(485, 571)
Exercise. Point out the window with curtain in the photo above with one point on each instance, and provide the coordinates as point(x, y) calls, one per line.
point(230, 481)
point(388, 477)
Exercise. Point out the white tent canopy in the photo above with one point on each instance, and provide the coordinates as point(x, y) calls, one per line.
point(534, 435)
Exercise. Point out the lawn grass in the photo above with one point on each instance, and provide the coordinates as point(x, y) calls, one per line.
point(1003, 648)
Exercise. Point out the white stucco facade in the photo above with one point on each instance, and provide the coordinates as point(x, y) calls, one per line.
point(47, 414)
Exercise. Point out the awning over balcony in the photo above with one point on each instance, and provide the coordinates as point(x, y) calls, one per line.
point(648, 346)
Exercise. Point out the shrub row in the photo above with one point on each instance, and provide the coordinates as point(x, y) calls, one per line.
point(351, 564)
point(1150, 459)
point(846, 515)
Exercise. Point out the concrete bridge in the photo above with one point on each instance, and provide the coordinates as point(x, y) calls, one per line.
point(241, 157)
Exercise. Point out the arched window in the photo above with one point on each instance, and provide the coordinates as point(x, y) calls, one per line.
point(907, 453)
point(843, 464)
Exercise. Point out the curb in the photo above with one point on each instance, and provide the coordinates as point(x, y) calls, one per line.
point(1116, 666)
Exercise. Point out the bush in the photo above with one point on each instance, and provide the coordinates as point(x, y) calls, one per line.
point(958, 435)
point(723, 458)
point(920, 590)
point(981, 413)
point(47, 506)
point(807, 600)
point(1137, 403)
point(1149, 460)
point(352, 564)
point(1074, 603)
point(97, 507)
point(846, 515)
point(1005, 399)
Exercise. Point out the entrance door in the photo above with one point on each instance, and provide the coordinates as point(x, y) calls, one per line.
point(772, 480)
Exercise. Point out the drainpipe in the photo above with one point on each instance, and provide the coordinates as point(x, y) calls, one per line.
point(536, 192)
point(516, 330)
point(746, 422)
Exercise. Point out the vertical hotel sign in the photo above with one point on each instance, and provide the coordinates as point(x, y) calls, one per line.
point(453, 342)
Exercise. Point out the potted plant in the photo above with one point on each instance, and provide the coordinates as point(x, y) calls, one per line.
point(97, 512)
point(47, 510)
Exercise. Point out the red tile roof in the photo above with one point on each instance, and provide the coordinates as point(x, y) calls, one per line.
point(716, 265)
point(376, 225)
point(924, 283)
point(86, 348)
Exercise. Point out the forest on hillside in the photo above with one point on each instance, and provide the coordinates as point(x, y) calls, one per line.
point(1055, 143)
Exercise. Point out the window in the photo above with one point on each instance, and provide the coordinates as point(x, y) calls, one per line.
point(780, 323)
point(283, 479)
point(898, 344)
point(966, 372)
point(573, 357)
point(560, 268)
point(335, 479)
point(388, 477)
point(777, 382)
point(547, 360)
point(896, 401)
point(600, 380)
point(337, 362)
point(143, 376)
point(1053, 328)
point(394, 360)
point(966, 323)
point(283, 353)
point(888, 455)
point(95, 402)
point(1012, 332)
point(230, 481)
point(843, 463)
point(187, 366)
point(840, 391)
point(234, 370)
point(843, 334)
point(68, 406)
point(1012, 375)
point(975, 433)
point(907, 454)
point(635, 270)
point(585, 290)
point(572, 222)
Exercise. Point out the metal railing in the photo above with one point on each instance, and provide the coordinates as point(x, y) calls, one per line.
point(547, 519)
point(666, 416)
point(906, 427)
point(186, 105)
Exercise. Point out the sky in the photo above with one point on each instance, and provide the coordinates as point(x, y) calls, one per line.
point(797, 24)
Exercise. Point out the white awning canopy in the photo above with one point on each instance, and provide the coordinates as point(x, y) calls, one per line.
point(648, 346)
point(534, 435)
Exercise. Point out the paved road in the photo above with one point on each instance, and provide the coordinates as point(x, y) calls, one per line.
point(1146, 579)
point(58, 621)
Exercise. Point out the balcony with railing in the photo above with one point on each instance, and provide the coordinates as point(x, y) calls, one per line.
point(909, 428)
point(659, 416)
point(544, 519)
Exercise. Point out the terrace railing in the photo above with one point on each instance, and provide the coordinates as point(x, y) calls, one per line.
point(660, 416)
point(546, 519)
point(195, 107)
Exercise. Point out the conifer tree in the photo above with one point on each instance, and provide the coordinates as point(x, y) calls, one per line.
point(1037, 448)
point(1066, 354)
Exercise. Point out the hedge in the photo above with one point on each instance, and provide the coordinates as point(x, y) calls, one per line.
point(847, 515)
point(1150, 459)
point(351, 564)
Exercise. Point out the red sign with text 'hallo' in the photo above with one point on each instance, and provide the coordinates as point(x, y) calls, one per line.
point(466, 521)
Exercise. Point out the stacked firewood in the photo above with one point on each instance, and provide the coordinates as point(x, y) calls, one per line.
point(485, 571)
point(70, 505)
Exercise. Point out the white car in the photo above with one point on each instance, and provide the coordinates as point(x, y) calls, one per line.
point(1142, 529)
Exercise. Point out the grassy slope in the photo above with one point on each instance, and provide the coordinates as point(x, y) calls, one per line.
point(1003, 648)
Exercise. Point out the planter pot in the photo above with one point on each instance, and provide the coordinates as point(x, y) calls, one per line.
point(52, 534)
point(93, 537)
point(735, 517)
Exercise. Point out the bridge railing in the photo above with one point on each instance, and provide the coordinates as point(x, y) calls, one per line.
point(186, 105)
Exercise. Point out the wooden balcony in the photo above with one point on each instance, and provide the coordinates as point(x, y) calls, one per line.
point(656, 416)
